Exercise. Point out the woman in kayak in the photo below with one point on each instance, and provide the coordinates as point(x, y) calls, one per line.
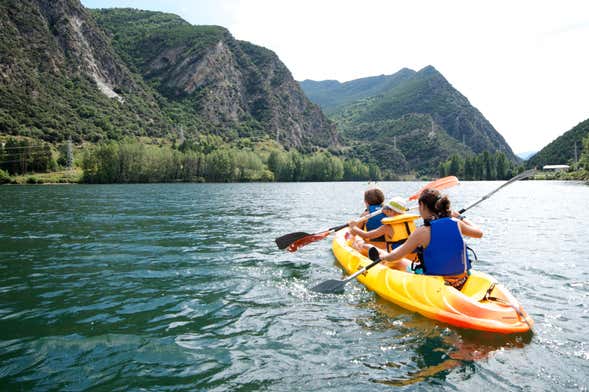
point(440, 238)
point(376, 237)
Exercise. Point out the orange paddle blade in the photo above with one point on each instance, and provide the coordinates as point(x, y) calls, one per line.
point(307, 240)
point(439, 184)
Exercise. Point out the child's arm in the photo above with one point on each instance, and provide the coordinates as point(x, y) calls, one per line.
point(367, 235)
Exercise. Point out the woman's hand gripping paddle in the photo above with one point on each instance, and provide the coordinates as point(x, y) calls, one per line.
point(337, 286)
point(296, 240)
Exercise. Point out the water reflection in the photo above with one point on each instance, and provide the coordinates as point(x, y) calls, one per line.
point(432, 348)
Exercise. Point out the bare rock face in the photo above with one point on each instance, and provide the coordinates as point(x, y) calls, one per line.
point(60, 77)
point(86, 48)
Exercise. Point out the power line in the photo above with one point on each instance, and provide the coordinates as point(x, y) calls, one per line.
point(15, 161)
point(25, 158)
point(21, 147)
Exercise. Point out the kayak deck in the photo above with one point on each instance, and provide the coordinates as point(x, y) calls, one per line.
point(482, 304)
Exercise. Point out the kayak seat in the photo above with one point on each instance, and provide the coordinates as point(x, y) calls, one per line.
point(476, 287)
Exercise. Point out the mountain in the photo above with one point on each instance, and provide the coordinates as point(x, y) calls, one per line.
point(60, 77)
point(67, 71)
point(562, 149)
point(413, 108)
point(331, 94)
point(229, 84)
point(525, 155)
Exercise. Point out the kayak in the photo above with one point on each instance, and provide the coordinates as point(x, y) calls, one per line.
point(482, 304)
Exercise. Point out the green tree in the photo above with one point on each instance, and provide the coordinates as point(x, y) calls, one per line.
point(220, 166)
point(456, 167)
point(502, 166)
point(584, 159)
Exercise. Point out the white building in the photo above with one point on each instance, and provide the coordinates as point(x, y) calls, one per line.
point(556, 168)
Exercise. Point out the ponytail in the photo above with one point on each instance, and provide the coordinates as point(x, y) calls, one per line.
point(443, 207)
point(436, 203)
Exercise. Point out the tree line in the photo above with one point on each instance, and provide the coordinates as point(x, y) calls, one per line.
point(483, 166)
point(209, 159)
point(131, 161)
point(20, 156)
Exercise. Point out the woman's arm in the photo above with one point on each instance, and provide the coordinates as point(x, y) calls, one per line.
point(467, 227)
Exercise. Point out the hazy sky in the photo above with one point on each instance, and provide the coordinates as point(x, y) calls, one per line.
point(523, 64)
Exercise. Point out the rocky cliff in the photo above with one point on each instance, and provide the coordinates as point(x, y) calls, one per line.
point(60, 77)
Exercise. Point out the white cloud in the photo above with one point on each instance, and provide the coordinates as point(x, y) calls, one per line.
point(523, 64)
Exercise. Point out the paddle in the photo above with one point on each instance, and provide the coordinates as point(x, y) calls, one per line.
point(439, 184)
point(334, 286)
point(296, 240)
point(520, 176)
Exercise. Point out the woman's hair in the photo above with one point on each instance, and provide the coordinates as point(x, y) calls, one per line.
point(436, 203)
point(374, 196)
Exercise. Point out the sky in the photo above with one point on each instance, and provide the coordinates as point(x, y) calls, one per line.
point(523, 64)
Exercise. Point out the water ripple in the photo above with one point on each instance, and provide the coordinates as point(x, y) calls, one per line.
point(181, 287)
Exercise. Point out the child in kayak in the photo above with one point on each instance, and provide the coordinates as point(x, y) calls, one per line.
point(373, 199)
point(441, 238)
point(396, 206)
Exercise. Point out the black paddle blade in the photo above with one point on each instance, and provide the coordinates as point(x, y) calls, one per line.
point(330, 287)
point(287, 239)
point(373, 253)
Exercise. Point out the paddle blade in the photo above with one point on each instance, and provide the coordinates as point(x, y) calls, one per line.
point(287, 239)
point(307, 240)
point(439, 184)
point(373, 254)
point(330, 287)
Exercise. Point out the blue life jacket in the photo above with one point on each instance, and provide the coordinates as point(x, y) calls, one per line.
point(375, 221)
point(444, 255)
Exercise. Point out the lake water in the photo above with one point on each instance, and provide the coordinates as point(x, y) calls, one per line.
point(181, 287)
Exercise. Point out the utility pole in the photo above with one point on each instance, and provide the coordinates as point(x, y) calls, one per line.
point(181, 137)
point(575, 152)
point(70, 154)
point(395, 142)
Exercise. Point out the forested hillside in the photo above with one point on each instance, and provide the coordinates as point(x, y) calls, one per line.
point(563, 149)
point(60, 77)
point(332, 95)
point(66, 72)
point(416, 119)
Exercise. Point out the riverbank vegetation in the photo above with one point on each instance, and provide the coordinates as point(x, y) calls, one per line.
point(207, 159)
point(210, 159)
point(484, 166)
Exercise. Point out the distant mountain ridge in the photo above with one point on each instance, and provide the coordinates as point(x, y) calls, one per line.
point(526, 154)
point(331, 94)
point(378, 110)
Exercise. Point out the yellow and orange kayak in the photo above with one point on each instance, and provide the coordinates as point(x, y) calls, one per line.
point(482, 304)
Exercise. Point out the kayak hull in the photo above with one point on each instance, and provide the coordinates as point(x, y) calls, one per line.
point(482, 304)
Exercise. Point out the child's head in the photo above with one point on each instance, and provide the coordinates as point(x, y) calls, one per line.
point(373, 196)
point(395, 206)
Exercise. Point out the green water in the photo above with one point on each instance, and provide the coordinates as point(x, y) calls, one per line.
point(181, 287)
